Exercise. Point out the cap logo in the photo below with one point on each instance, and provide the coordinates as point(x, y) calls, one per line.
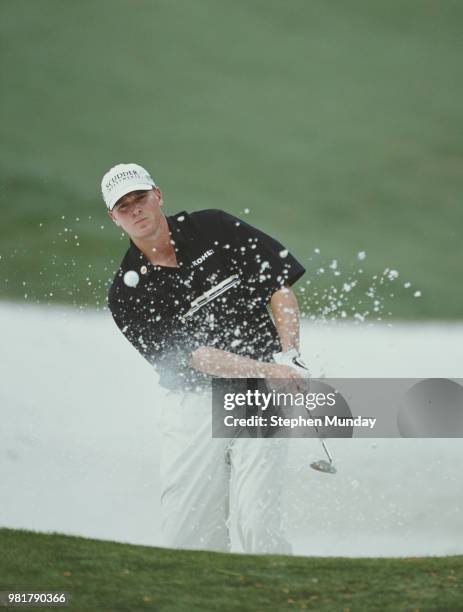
point(121, 176)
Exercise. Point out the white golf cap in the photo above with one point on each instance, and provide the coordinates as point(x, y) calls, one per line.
point(123, 179)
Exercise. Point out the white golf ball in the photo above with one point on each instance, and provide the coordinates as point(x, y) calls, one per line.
point(131, 278)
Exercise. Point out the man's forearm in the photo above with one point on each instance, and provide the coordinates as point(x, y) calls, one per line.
point(217, 362)
point(285, 312)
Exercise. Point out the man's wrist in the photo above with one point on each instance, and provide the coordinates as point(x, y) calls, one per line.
point(262, 369)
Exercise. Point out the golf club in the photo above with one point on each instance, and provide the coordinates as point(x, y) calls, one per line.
point(327, 467)
point(293, 359)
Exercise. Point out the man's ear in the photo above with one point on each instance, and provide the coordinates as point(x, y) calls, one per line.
point(159, 195)
point(111, 214)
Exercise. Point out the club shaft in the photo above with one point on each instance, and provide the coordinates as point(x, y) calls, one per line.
point(325, 448)
point(323, 443)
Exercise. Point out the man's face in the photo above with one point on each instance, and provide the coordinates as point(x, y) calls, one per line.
point(139, 212)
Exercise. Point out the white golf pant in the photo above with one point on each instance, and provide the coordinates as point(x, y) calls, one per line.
point(201, 474)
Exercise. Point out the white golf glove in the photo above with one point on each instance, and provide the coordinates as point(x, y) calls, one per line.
point(292, 359)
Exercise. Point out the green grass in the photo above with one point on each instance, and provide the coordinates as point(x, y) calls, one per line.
point(101, 575)
point(338, 124)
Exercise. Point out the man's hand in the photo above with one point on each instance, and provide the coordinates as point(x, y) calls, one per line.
point(293, 359)
point(285, 379)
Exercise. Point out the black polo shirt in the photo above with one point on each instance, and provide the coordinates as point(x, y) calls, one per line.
point(240, 266)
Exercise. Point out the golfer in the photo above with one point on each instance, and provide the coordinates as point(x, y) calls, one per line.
point(191, 295)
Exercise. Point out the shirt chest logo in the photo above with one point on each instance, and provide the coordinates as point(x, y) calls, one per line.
point(211, 294)
point(202, 257)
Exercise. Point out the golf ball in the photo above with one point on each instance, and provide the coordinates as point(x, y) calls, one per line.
point(131, 278)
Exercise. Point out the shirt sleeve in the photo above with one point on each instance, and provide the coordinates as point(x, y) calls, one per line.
point(261, 258)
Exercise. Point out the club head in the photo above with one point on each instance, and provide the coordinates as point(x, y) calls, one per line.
point(323, 466)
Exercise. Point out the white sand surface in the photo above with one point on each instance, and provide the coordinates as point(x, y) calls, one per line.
point(79, 444)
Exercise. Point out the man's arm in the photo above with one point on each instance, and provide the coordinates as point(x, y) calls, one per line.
point(217, 362)
point(285, 311)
